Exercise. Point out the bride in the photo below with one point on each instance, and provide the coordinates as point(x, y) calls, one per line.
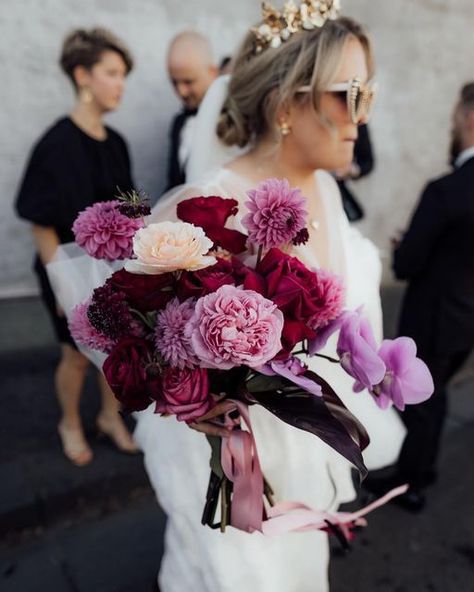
point(292, 109)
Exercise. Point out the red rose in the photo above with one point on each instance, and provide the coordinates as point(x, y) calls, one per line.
point(211, 214)
point(184, 393)
point(144, 292)
point(295, 290)
point(194, 284)
point(125, 371)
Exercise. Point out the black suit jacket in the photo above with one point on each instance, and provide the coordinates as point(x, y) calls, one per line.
point(176, 175)
point(436, 256)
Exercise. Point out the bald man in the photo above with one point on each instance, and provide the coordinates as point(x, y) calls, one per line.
point(192, 70)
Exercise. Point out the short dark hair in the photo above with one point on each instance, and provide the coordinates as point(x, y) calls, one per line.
point(467, 96)
point(85, 48)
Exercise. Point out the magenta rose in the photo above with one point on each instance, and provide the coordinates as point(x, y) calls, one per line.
point(125, 370)
point(184, 393)
point(295, 290)
point(143, 292)
point(211, 214)
point(234, 327)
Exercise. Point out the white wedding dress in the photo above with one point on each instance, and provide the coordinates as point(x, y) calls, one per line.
point(298, 465)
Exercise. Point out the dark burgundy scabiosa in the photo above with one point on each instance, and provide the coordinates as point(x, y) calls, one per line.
point(134, 204)
point(109, 313)
point(301, 238)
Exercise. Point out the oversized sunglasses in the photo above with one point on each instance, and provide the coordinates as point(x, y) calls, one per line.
point(358, 97)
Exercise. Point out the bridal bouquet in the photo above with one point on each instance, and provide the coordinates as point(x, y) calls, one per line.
point(203, 321)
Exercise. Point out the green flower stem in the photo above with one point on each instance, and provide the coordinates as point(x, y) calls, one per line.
point(143, 318)
point(328, 358)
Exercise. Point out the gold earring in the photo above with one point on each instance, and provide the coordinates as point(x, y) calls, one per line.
point(285, 129)
point(85, 95)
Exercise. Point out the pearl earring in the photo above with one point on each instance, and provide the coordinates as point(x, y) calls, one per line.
point(86, 95)
point(285, 129)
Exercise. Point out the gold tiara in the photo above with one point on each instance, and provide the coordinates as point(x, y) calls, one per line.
point(277, 27)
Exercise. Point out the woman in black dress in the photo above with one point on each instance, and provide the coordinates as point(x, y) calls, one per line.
point(76, 163)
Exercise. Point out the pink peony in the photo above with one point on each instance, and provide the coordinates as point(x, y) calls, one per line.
point(331, 299)
point(277, 214)
point(170, 339)
point(104, 232)
point(232, 326)
point(84, 333)
point(184, 393)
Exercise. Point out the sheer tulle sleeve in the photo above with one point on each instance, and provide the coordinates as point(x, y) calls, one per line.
point(355, 256)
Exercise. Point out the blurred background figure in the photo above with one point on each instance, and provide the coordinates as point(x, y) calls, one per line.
point(192, 70)
point(225, 65)
point(77, 162)
point(436, 256)
point(361, 166)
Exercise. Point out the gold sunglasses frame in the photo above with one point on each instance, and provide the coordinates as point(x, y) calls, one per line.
point(353, 88)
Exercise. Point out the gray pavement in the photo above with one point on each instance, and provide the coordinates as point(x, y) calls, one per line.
point(99, 528)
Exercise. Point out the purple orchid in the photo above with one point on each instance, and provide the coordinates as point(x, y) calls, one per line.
point(407, 380)
point(357, 351)
point(293, 370)
point(319, 342)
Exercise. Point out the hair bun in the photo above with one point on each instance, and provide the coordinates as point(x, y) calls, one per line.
point(232, 128)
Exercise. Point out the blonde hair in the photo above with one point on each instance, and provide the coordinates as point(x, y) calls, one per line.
point(261, 84)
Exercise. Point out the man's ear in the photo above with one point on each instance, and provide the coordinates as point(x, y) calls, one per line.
point(470, 121)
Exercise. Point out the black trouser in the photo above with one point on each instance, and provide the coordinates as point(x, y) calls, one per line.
point(424, 422)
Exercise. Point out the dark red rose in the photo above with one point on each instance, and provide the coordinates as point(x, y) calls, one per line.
point(295, 290)
point(125, 370)
point(211, 214)
point(185, 393)
point(194, 284)
point(247, 277)
point(144, 292)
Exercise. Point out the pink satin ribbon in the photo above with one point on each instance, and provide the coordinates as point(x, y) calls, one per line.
point(241, 465)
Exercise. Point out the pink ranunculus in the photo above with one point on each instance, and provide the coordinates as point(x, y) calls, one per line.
point(170, 246)
point(234, 327)
point(407, 380)
point(277, 214)
point(84, 333)
point(104, 232)
point(184, 393)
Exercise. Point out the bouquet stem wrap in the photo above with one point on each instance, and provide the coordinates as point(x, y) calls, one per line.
point(241, 465)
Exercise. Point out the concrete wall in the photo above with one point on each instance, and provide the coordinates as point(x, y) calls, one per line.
point(424, 50)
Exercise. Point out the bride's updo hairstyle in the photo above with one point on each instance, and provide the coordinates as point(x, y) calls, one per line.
point(262, 83)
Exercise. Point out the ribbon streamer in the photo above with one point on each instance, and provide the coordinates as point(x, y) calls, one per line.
point(241, 465)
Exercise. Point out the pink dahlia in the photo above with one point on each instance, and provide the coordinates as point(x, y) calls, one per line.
point(331, 299)
point(84, 333)
point(277, 214)
point(233, 327)
point(170, 338)
point(104, 232)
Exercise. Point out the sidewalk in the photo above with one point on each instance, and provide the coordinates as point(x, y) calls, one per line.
point(99, 528)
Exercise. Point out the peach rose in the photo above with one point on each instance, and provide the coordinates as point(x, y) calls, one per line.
point(170, 246)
